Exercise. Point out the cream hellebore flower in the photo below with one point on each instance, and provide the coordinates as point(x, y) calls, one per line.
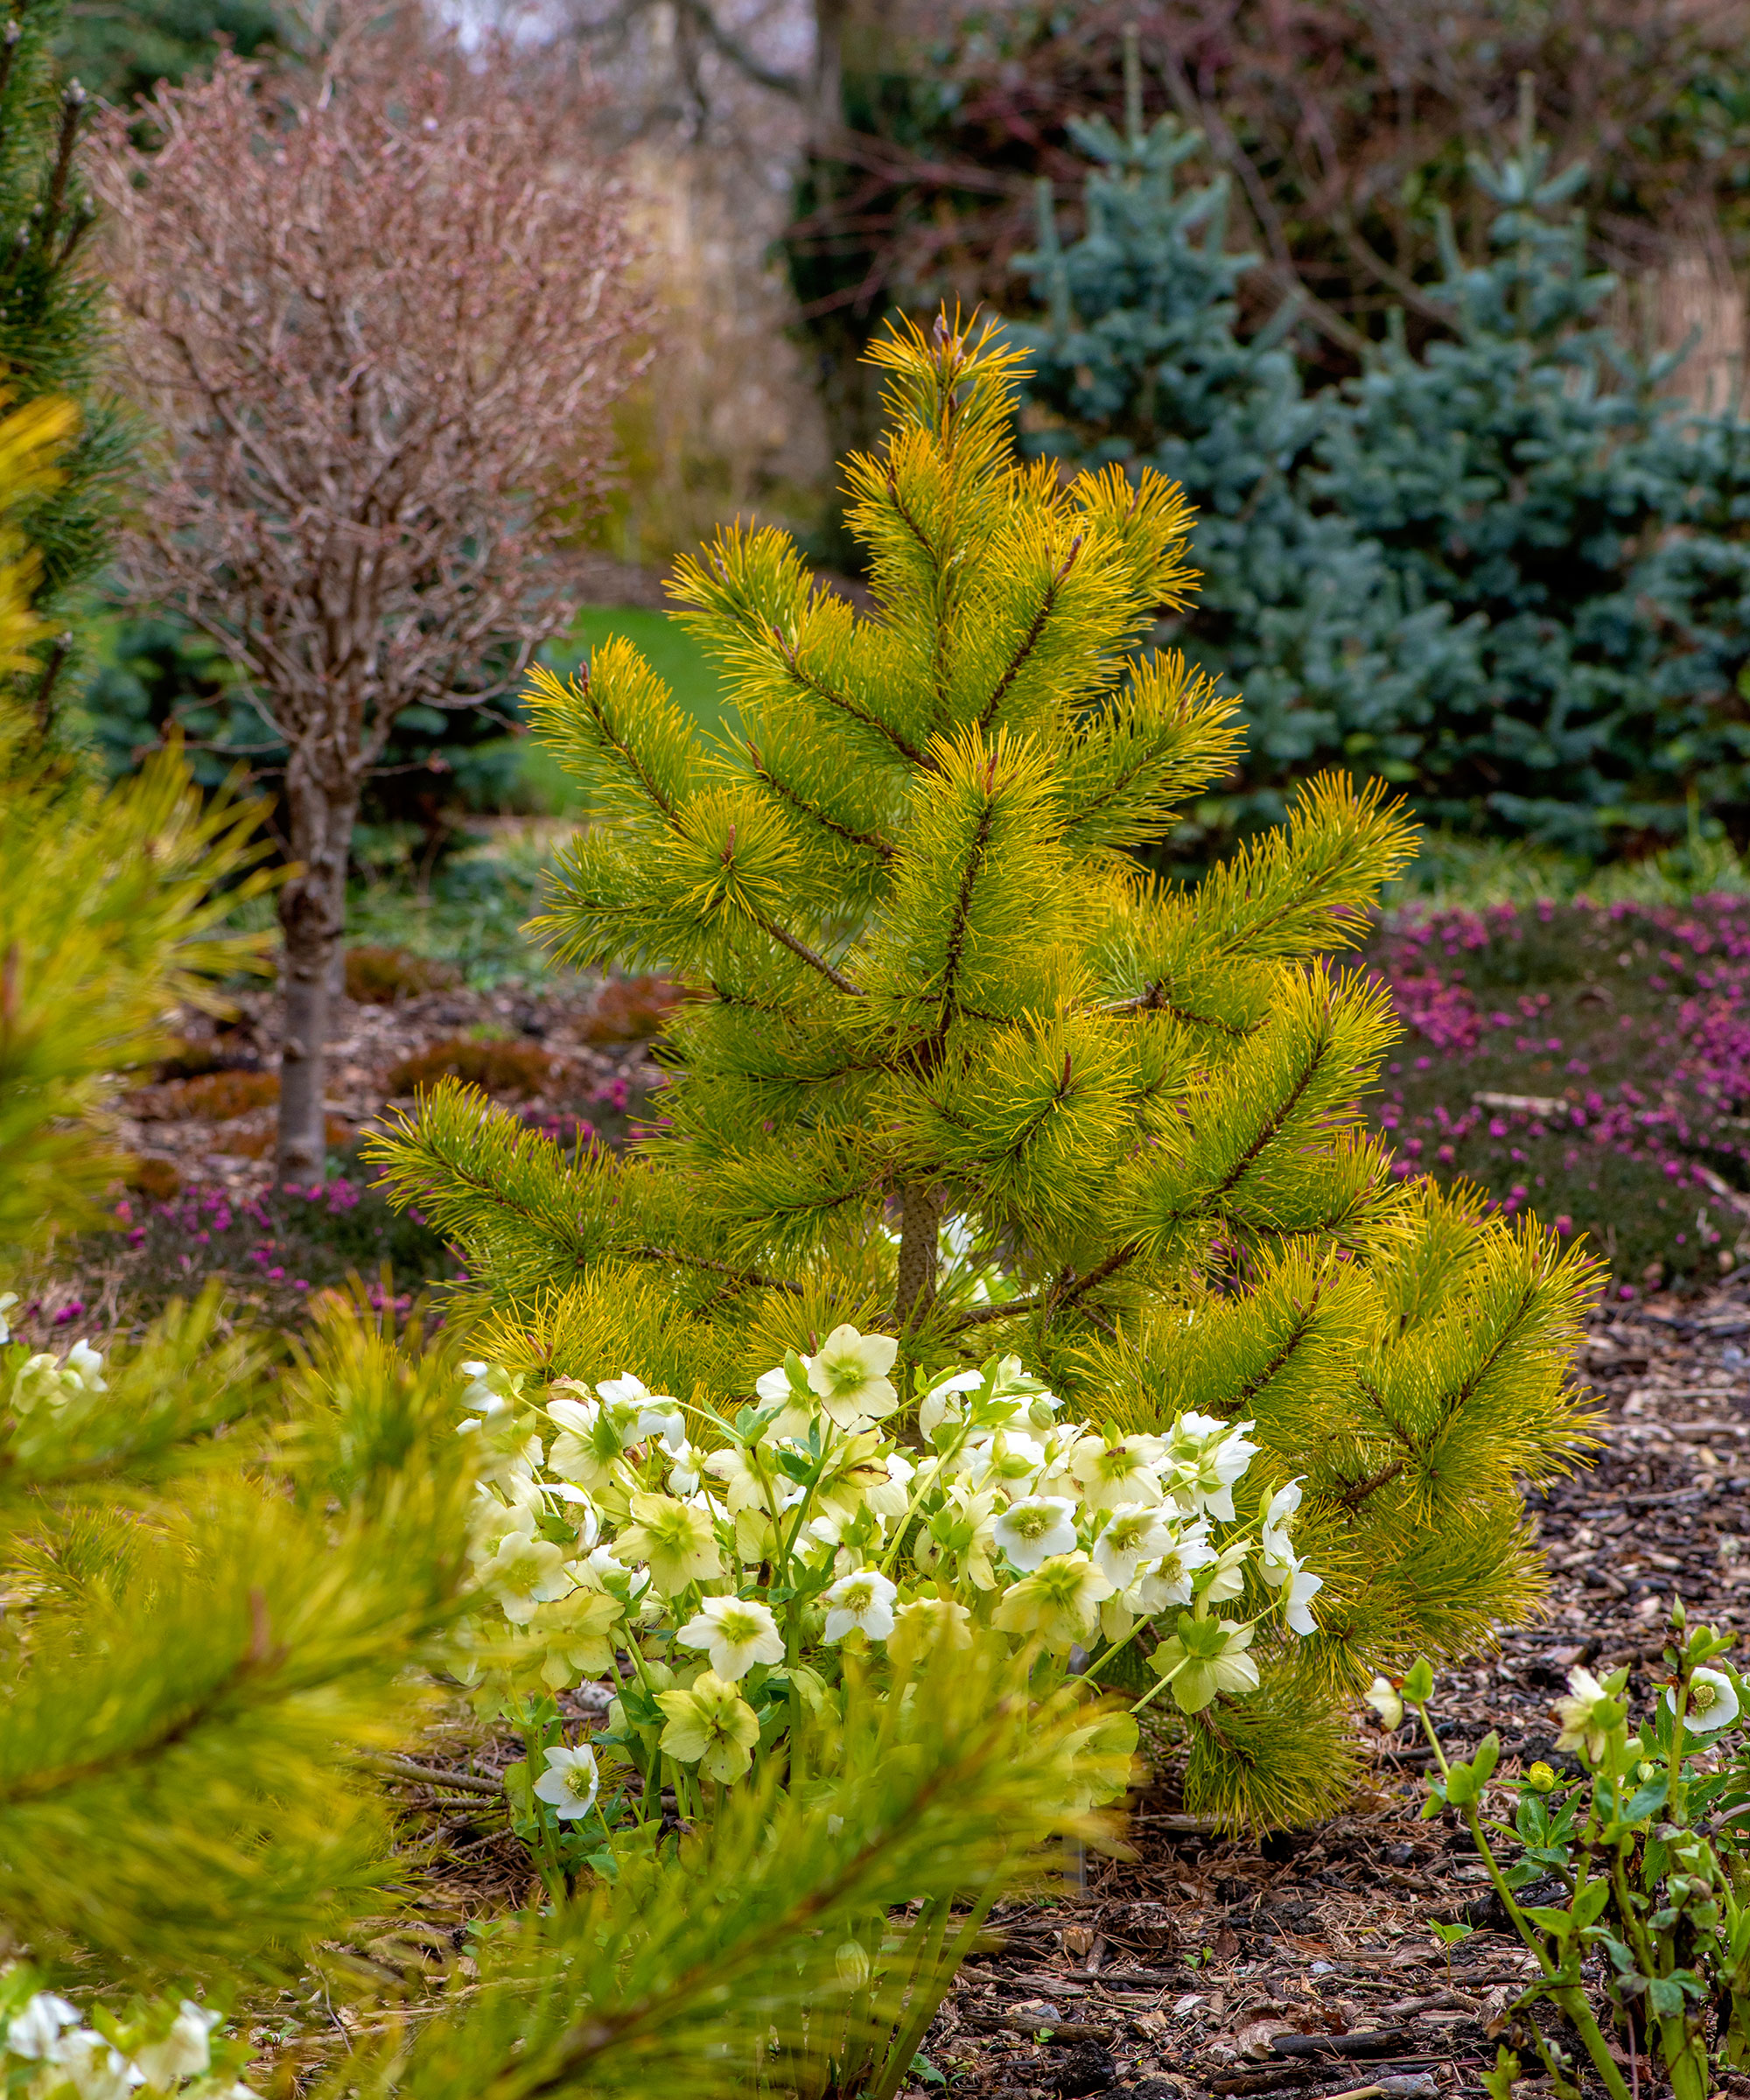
point(1059, 1602)
point(83, 1366)
point(185, 2052)
point(588, 1446)
point(95, 2069)
point(1587, 1714)
point(925, 1623)
point(742, 1485)
point(571, 1782)
point(674, 1539)
point(1277, 1562)
point(47, 1376)
point(1211, 1455)
point(1204, 1657)
point(575, 1629)
point(1229, 1578)
point(710, 1725)
point(1111, 1473)
point(1135, 1533)
point(1031, 1531)
point(1169, 1581)
point(965, 1530)
point(33, 2030)
point(891, 1498)
point(1712, 1704)
point(1386, 1701)
point(525, 1571)
point(8, 1300)
point(736, 1633)
point(849, 1373)
point(860, 1603)
point(943, 1402)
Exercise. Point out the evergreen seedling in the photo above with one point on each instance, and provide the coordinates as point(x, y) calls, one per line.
point(954, 1066)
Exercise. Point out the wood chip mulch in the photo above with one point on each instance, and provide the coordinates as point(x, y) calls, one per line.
point(1305, 1966)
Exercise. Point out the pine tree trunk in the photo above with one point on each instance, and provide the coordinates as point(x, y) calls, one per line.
point(310, 922)
point(920, 1218)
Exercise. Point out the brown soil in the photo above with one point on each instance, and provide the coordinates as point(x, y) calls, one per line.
point(1182, 1973)
point(579, 1053)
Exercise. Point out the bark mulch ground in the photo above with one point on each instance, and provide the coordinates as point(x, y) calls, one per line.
point(1306, 1966)
point(1303, 1966)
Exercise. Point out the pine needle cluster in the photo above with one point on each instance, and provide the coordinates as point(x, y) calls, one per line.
point(955, 1065)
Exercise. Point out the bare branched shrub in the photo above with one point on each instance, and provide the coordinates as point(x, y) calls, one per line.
point(383, 313)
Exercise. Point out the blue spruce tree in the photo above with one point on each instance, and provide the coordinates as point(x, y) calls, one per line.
point(1140, 361)
point(1508, 573)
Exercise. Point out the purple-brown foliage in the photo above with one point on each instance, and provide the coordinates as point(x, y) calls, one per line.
point(383, 313)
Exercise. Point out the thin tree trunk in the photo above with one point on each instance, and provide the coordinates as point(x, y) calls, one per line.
point(311, 923)
point(337, 968)
point(920, 1218)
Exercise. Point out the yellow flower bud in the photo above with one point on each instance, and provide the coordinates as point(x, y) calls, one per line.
point(1540, 1777)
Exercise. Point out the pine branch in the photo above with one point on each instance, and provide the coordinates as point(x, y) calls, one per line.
point(1029, 641)
point(865, 841)
point(843, 703)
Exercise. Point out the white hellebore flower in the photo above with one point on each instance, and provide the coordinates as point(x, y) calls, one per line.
point(1010, 1460)
point(943, 1401)
point(862, 1602)
point(1275, 1546)
point(94, 2068)
point(849, 1373)
point(8, 1300)
point(1030, 1531)
point(1135, 1533)
point(637, 1414)
point(736, 1633)
point(34, 2031)
point(683, 1471)
point(488, 1389)
point(1713, 1704)
point(571, 1782)
point(1302, 1590)
point(83, 1366)
point(1212, 1455)
point(800, 1408)
point(185, 2052)
point(1169, 1581)
point(525, 1571)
